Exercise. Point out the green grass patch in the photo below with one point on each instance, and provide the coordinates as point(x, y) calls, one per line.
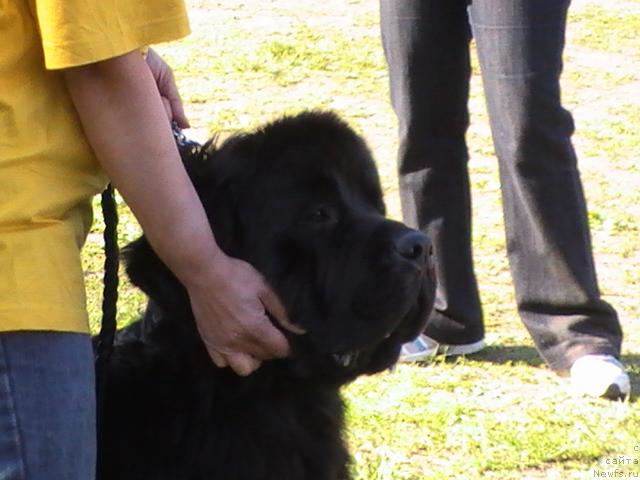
point(607, 28)
point(291, 58)
point(615, 136)
point(458, 426)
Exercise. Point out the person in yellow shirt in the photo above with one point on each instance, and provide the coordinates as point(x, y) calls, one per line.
point(79, 103)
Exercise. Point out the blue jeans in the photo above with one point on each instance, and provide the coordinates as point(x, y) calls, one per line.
point(47, 406)
point(520, 45)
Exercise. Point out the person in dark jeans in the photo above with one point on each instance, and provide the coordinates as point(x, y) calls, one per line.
point(520, 45)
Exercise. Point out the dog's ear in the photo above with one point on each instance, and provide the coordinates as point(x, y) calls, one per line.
point(153, 277)
point(225, 177)
point(196, 159)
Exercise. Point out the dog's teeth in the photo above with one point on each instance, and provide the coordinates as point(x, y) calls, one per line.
point(343, 359)
point(346, 359)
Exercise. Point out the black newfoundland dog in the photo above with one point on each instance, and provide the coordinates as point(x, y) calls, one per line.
point(301, 201)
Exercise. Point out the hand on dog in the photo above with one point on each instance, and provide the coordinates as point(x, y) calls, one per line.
point(231, 312)
point(168, 89)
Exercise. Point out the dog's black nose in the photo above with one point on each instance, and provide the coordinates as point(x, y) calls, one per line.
point(414, 246)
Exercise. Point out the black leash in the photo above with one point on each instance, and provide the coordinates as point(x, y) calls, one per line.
point(107, 333)
point(110, 287)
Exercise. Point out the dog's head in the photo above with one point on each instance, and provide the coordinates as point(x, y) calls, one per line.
point(300, 200)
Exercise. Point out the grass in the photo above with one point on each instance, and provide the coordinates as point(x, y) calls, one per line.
point(500, 414)
point(601, 27)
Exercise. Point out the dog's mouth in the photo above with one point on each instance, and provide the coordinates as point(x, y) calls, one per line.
point(373, 350)
point(368, 343)
point(346, 359)
point(359, 358)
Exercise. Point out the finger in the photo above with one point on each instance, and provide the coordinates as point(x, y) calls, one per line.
point(169, 90)
point(177, 108)
point(262, 341)
point(218, 359)
point(269, 342)
point(275, 308)
point(243, 364)
point(167, 108)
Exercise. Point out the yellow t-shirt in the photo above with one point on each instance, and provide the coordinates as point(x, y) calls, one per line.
point(48, 172)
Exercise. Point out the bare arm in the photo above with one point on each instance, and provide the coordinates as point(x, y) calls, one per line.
point(124, 118)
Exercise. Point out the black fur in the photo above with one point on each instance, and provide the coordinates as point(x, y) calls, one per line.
point(300, 200)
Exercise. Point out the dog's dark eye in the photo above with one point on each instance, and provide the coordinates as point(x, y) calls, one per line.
point(321, 214)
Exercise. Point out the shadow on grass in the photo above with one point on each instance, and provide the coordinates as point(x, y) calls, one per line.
point(509, 354)
point(632, 362)
point(521, 354)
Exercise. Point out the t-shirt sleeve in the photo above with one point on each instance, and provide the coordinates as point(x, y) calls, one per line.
point(78, 32)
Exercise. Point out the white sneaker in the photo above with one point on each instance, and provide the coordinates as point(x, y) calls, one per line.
point(423, 348)
point(600, 376)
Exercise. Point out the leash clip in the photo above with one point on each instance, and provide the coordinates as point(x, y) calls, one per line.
point(181, 139)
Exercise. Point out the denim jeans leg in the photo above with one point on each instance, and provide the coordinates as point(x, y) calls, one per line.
point(47, 406)
point(520, 44)
point(426, 44)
